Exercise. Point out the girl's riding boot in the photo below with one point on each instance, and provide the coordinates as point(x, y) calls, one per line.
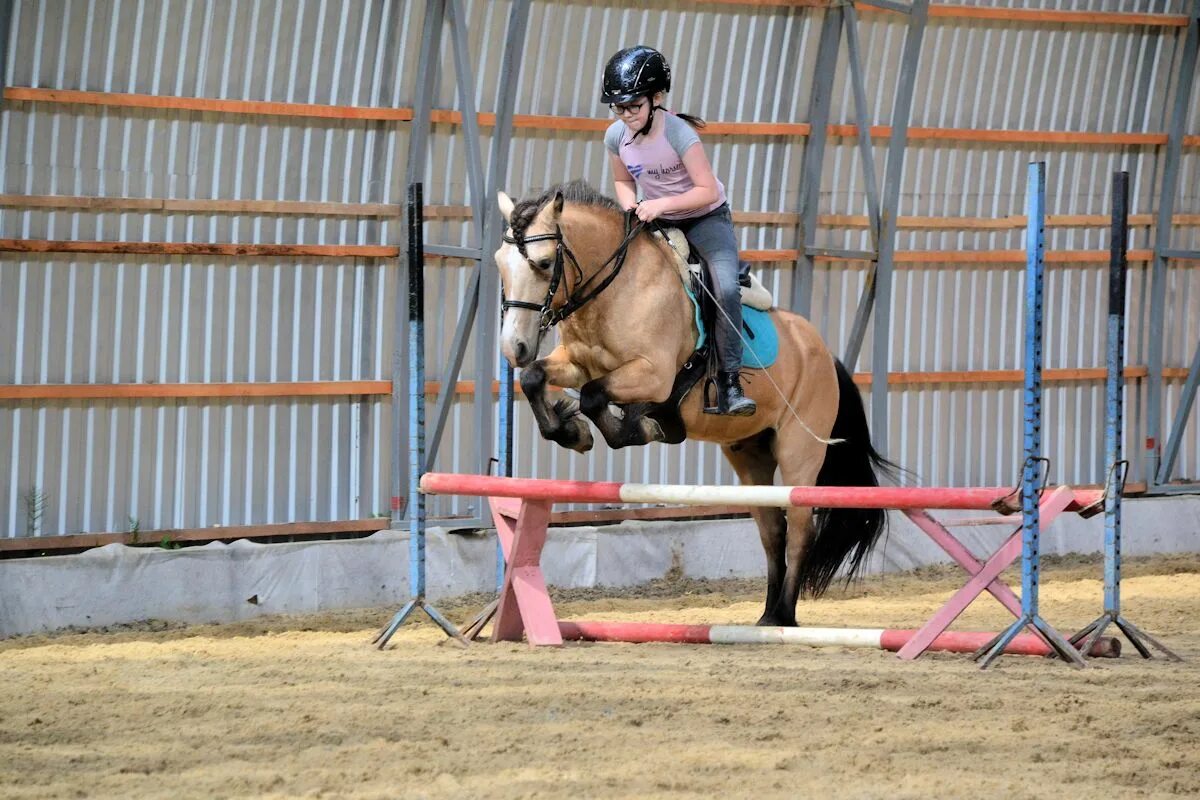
point(733, 401)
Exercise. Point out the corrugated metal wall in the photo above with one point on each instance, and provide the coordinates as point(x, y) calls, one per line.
point(193, 463)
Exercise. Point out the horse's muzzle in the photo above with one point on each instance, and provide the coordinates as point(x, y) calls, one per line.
point(520, 353)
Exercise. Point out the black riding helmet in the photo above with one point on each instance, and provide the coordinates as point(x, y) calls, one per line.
point(634, 72)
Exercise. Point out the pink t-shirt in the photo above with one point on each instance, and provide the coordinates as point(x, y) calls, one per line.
point(656, 163)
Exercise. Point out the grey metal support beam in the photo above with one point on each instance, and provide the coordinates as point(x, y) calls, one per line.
point(477, 305)
point(453, 251)
point(458, 351)
point(861, 113)
point(6, 15)
point(427, 73)
point(1182, 415)
point(485, 344)
point(418, 141)
point(890, 5)
point(858, 330)
point(881, 339)
point(510, 70)
point(814, 157)
point(1155, 474)
point(464, 73)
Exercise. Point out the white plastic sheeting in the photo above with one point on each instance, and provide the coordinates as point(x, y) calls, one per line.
point(224, 583)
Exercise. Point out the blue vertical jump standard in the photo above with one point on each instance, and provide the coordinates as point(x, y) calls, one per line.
point(1035, 268)
point(416, 426)
point(1113, 428)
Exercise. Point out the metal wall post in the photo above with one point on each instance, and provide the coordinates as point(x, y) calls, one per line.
point(485, 314)
point(881, 338)
point(814, 158)
point(480, 306)
point(427, 64)
point(510, 68)
point(6, 15)
point(1158, 473)
point(858, 329)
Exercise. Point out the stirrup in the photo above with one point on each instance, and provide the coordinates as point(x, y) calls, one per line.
point(714, 407)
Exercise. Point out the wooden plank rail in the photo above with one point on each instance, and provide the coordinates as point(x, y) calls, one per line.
point(446, 212)
point(199, 249)
point(954, 11)
point(205, 104)
point(935, 257)
point(922, 257)
point(78, 541)
point(19, 545)
point(167, 205)
point(248, 389)
point(563, 123)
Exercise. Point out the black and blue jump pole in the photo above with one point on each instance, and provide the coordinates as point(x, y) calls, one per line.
point(1113, 429)
point(416, 426)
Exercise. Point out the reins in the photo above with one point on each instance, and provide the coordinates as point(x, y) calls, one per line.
point(580, 295)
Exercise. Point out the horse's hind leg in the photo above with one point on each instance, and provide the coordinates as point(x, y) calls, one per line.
point(800, 461)
point(754, 462)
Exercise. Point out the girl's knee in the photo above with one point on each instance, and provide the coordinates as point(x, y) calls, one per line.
point(729, 291)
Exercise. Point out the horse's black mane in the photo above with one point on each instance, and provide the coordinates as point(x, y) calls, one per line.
point(576, 191)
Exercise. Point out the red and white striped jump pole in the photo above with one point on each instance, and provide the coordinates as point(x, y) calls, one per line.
point(974, 498)
point(873, 638)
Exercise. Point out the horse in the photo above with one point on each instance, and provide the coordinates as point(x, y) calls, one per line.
point(627, 327)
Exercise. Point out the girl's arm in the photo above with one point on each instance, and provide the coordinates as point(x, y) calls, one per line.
point(624, 183)
point(703, 193)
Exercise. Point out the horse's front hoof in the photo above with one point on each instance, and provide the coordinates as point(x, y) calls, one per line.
point(584, 441)
point(772, 621)
point(576, 435)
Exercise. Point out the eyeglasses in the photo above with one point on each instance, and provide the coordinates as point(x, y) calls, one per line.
point(623, 109)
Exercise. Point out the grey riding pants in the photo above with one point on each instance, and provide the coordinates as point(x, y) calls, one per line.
point(712, 237)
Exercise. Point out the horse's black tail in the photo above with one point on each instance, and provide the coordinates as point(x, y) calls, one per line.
point(845, 536)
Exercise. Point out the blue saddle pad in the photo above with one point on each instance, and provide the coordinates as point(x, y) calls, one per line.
point(761, 347)
point(760, 344)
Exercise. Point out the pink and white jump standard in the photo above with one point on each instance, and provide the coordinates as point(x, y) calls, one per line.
point(521, 510)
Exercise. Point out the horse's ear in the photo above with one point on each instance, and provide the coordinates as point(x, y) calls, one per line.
point(506, 206)
point(558, 203)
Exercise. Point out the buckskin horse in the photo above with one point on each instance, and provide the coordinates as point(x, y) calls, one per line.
point(573, 259)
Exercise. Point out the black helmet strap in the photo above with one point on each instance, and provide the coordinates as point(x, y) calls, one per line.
point(649, 121)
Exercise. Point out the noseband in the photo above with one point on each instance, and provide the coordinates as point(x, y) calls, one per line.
point(581, 296)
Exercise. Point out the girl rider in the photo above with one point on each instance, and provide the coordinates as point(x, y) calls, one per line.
point(661, 154)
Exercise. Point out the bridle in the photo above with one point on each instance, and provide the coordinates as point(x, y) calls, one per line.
point(549, 316)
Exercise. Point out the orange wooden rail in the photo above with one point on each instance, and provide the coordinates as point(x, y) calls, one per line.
point(77, 541)
point(124, 391)
point(546, 122)
point(169, 205)
point(936, 257)
point(205, 104)
point(199, 249)
point(444, 212)
point(926, 257)
point(952, 11)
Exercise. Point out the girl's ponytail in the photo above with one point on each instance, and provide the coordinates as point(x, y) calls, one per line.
point(695, 122)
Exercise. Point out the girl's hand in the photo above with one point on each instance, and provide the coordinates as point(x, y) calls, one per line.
point(650, 210)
